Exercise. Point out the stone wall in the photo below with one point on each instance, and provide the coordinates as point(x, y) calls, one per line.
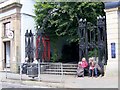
point(113, 36)
point(112, 31)
point(11, 13)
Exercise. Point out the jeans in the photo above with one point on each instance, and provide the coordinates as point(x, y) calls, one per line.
point(92, 72)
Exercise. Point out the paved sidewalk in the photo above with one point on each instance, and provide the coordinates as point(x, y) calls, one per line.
point(67, 81)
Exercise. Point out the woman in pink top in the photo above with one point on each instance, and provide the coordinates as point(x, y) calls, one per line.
point(84, 63)
point(92, 68)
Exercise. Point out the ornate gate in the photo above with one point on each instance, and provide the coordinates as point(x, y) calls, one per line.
point(93, 38)
point(43, 49)
point(40, 50)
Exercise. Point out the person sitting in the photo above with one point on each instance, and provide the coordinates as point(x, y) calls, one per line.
point(84, 65)
point(35, 61)
point(24, 66)
point(80, 70)
point(92, 68)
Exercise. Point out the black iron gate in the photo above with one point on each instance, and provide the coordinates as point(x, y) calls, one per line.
point(93, 38)
point(30, 47)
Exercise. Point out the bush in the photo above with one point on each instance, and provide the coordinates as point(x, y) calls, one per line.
point(93, 53)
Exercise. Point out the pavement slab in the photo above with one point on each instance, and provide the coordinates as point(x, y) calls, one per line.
point(66, 81)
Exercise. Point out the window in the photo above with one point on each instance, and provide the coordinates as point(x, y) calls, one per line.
point(113, 50)
point(6, 28)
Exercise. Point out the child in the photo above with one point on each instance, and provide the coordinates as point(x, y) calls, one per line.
point(92, 68)
point(80, 70)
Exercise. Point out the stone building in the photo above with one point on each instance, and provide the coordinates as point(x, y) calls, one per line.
point(112, 10)
point(16, 16)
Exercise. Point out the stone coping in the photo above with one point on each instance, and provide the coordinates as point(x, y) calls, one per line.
point(109, 5)
point(10, 6)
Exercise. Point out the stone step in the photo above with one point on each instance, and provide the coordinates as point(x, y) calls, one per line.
point(47, 72)
point(63, 68)
point(69, 73)
point(60, 73)
point(69, 67)
point(69, 64)
point(66, 70)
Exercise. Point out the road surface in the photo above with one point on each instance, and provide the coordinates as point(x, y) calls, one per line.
point(17, 85)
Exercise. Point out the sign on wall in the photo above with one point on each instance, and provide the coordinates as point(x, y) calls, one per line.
point(10, 34)
point(113, 50)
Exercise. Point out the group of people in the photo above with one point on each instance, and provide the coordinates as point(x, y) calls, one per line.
point(92, 67)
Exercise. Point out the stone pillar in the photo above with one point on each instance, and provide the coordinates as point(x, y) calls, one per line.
point(113, 37)
point(1, 61)
point(16, 57)
point(14, 17)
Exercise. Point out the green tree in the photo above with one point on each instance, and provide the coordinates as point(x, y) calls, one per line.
point(59, 19)
point(63, 22)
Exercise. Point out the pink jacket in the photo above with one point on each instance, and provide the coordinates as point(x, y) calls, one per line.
point(84, 64)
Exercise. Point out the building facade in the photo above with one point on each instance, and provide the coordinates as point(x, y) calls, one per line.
point(112, 10)
point(16, 16)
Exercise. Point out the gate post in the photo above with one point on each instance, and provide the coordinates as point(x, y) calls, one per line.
point(86, 40)
point(29, 46)
point(40, 46)
point(102, 40)
point(83, 36)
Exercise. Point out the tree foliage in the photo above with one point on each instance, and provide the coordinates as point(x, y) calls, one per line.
point(63, 21)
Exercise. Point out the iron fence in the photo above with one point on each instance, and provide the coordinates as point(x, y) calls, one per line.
point(43, 71)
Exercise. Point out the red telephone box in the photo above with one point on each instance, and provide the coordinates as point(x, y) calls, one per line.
point(46, 46)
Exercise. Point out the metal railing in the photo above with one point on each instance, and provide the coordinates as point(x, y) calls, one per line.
point(45, 71)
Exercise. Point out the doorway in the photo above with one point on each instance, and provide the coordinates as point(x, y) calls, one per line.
point(70, 53)
point(7, 54)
